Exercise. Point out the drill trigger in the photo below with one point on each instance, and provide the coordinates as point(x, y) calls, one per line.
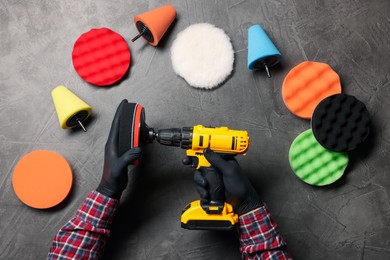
point(195, 161)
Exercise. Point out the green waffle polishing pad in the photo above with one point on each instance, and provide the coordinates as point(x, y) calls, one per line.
point(314, 164)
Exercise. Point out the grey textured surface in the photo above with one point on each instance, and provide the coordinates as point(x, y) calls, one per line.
point(348, 220)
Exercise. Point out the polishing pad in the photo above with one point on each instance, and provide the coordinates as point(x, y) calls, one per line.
point(314, 164)
point(133, 131)
point(132, 118)
point(262, 52)
point(203, 55)
point(101, 57)
point(42, 179)
point(71, 110)
point(340, 123)
point(153, 24)
point(306, 85)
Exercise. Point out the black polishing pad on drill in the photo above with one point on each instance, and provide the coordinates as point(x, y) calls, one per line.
point(131, 125)
point(340, 123)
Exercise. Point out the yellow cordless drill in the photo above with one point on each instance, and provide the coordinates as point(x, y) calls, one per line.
point(214, 214)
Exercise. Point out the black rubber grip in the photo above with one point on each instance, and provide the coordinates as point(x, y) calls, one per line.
point(215, 188)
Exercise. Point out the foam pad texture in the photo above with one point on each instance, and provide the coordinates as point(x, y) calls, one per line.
point(314, 164)
point(340, 123)
point(127, 127)
point(306, 85)
point(101, 56)
point(42, 179)
point(203, 55)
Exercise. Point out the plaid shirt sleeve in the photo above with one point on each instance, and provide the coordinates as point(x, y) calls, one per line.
point(260, 238)
point(85, 235)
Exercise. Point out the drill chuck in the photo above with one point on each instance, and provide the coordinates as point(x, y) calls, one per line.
point(170, 137)
point(175, 137)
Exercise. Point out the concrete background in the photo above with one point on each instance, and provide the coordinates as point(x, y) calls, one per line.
point(347, 220)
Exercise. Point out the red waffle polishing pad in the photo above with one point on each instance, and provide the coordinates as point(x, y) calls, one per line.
point(306, 85)
point(42, 179)
point(101, 57)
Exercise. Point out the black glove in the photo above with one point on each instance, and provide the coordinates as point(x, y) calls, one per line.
point(238, 190)
point(114, 179)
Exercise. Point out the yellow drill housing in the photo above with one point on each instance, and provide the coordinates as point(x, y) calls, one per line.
point(219, 139)
point(213, 213)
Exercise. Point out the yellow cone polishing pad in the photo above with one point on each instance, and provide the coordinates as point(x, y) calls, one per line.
point(314, 164)
point(71, 110)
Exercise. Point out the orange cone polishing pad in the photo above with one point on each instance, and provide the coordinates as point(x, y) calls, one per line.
point(152, 25)
point(101, 57)
point(42, 179)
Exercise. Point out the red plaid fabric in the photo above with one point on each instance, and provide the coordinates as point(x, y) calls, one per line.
point(260, 238)
point(85, 235)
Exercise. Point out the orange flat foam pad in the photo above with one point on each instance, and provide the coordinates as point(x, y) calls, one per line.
point(101, 57)
point(42, 179)
point(306, 85)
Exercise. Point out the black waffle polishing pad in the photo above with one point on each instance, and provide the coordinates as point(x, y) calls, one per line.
point(340, 122)
point(130, 122)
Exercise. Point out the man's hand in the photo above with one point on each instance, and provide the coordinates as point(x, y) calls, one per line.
point(239, 192)
point(114, 179)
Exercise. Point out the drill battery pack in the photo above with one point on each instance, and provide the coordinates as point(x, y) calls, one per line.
point(196, 217)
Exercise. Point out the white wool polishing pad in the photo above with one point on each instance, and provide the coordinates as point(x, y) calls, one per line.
point(203, 55)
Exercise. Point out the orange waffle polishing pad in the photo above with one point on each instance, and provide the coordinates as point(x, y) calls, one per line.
point(101, 57)
point(306, 85)
point(42, 179)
